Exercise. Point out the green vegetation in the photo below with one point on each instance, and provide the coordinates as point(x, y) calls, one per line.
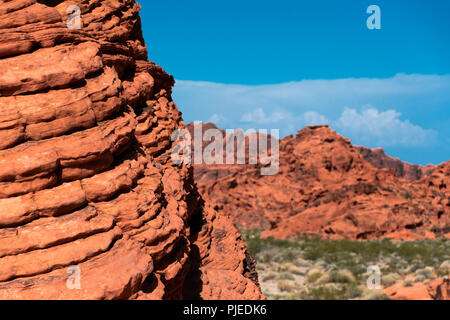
point(407, 195)
point(314, 268)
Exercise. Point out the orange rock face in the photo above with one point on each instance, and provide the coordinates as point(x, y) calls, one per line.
point(325, 186)
point(438, 289)
point(86, 179)
point(379, 159)
point(208, 174)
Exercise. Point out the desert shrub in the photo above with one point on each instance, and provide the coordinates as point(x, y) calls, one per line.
point(320, 264)
point(285, 276)
point(278, 296)
point(390, 279)
point(285, 286)
point(323, 259)
point(352, 291)
point(261, 266)
point(419, 278)
point(314, 274)
point(342, 276)
point(290, 255)
point(321, 293)
point(325, 278)
point(427, 273)
point(348, 253)
point(444, 268)
point(404, 271)
point(401, 264)
point(300, 262)
point(297, 271)
point(330, 292)
point(368, 294)
point(269, 276)
point(416, 265)
point(283, 267)
point(267, 255)
point(291, 268)
point(408, 283)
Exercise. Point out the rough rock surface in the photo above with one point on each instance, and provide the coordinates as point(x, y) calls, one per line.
point(438, 289)
point(207, 174)
point(379, 159)
point(441, 290)
point(325, 186)
point(85, 173)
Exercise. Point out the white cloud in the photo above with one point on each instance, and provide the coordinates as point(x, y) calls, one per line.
point(258, 116)
point(386, 129)
point(313, 118)
point(324, 96)
point(283, 119)
point(392, 112)
point(218, 119)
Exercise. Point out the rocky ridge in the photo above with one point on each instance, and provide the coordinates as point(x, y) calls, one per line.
point(327, 187)
point(379, 159)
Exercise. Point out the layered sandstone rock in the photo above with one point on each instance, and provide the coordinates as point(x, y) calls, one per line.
point(325, 186)
point(379, 159)
point(86, 178)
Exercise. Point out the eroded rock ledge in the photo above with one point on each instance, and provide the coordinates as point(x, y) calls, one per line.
point(85, 174)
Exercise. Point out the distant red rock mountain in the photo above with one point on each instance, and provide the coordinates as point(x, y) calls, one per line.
point(328, 187)
point(379, 159)
point(208, 174)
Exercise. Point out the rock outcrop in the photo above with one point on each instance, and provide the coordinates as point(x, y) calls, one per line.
point(325, 186)
point(379, 159)
point(438, 289)
point(86, 179)
point(207, 174)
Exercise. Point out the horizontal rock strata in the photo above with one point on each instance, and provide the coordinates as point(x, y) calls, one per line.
point(86, 178)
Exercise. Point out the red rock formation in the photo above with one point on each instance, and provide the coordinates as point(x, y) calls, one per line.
point(85, 173)
point(326, 187)
point(438, 289)
point(379, 159)
point(206, 174)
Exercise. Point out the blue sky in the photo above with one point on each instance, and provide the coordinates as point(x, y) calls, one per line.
point(287, 64)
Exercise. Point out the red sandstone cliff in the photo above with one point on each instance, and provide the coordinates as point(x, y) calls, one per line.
point(325, 186)
point(207, 174)
point(379, 159)
point(85, 174)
